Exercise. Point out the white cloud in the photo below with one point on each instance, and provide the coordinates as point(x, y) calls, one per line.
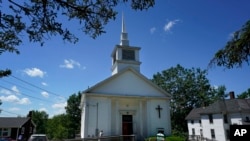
point(45, 94)
point(15, 99)
point(24, 101)
point(70, 64)
point(14, 89)
point(152, 30)
point(169, 25)
point(44, 84)
point(14, 109)
point(43, 109)
point(6, 92)
point(34, 72)
point(59, 107)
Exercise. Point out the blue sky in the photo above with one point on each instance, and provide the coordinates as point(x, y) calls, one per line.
point(172, 32)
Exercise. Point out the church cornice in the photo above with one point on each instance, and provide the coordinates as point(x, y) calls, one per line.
point(125, 96)
point(132, 62)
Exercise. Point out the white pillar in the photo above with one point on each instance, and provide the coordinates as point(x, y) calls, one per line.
point(141, 115)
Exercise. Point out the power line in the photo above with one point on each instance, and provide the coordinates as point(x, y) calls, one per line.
point(26, 95)
point(17, 85)
point(10, 112)
point(37, 86)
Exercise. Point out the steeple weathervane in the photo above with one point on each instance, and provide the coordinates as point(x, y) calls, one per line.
point(124, 35)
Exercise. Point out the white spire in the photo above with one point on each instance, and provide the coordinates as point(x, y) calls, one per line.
point(124, 35)
point(123, 24)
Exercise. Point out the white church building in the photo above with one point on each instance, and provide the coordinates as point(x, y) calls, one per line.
point(126, 103)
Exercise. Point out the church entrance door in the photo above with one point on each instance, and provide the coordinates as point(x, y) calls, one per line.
point(127, 124)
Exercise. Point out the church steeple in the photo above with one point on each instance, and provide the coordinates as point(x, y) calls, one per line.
point(124, 35)
point(124, 55)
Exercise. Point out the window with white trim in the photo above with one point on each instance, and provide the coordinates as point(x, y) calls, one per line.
point(4, 132)
point(212, 134)
point(210, 116)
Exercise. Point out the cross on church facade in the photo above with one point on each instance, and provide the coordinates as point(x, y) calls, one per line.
point(158, 108)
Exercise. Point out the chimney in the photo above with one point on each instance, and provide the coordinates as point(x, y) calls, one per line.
point(30, 114)
point(231, 94)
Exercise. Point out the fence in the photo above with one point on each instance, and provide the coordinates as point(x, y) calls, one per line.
point(199, 138)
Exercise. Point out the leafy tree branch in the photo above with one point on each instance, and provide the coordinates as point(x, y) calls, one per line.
point(237, 50)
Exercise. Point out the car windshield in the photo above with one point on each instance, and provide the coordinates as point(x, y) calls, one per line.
point(38, 138)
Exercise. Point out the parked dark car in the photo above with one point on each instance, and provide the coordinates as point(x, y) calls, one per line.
point(5, 139)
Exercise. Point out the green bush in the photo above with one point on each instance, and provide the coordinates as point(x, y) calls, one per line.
point(179, 134)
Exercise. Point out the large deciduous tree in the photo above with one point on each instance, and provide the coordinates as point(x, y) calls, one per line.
point(66, 125)
point(39, 20)
point(57, 127)
point(40, 119)
point(73, 112)
point(244, 95)
point(237, 50)
point(4, 73)
point(189, 89)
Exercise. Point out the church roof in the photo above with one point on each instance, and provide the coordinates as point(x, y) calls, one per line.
point(126, 85)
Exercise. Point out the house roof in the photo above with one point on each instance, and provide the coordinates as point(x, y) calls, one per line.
point(222, 106)
point(9, 122)
point(142, 77)
point(194, 114)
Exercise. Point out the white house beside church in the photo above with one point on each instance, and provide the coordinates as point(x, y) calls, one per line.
point(126, 103)
point(213, 122)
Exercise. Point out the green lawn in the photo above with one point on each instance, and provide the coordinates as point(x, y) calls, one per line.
point(170, 138)
point(174, 138)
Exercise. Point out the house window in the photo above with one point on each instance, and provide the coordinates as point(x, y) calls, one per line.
point(247, 119)
point(210, 118)
point(225, 118)
point(192, 121)
point(4, 132)
point(212, 134)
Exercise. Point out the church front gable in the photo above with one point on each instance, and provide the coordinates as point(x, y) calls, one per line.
point(128, 84)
